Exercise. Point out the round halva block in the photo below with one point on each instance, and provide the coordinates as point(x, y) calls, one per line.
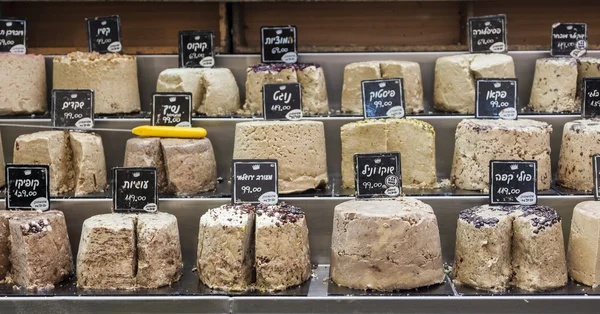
point(478, 141)
point(113, 77)
point(146, 152)
point(583, 254)
point(454, 80)
point(586, 67)
point(22, 84)
point(190, 165)
point(281, 247)
point(298, 146)
point(225, 247)
point(354, 74)
point(88, 162)
point(580, 141)
point(502, 246)
point(554, 86)
point(414, 139)
point(385, 245)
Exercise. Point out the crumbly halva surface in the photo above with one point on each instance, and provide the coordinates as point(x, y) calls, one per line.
point(386, 245)
point(355, 73)
point(498, 247)
point(22, 84)
point(77, 162)
point(580, 141)
point(214, 91)
point(414, 139)
point(454, 81)
point(478, 141)
point(310, 77)
point(112, 76)
point(128, 251)
point(554, 85)
point(298, 146)
point(583, 253)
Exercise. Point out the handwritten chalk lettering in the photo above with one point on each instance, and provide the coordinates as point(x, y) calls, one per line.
point(174, 109)
point(197, 46)
point(73, 104)
point(521, 177)
point(13, 32)
point(136, 184)
point(282, 96)
point(487, 31)
point(382, 94)
point(28, 183)
point(245, 177)
point(278, 40)
point(369, 170)
point(196, 56)
point(495, 94)
point(103, 31)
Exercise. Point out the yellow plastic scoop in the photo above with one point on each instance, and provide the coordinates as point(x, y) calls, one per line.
point(169, 131)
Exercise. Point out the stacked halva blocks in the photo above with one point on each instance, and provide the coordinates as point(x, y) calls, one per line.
point(241, 247)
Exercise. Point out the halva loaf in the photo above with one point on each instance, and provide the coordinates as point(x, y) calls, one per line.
point(22, 84)
point(583, 254)
point(147, 152)
point(580, 141)
point(554, 86)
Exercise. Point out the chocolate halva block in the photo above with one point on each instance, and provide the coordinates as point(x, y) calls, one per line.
point(214, 91)
point(281, 247)
point(40, 251)
point(583, 254)
point(190, 165)
point(146, 152)
point(355, 73)
point(107, 252)
point(225, 256)
point(89, 162)
point(159, 261)
point(112, 76)
point(385, 245)
point(498, 247)
point(48, 148)
point(454, 81)
point(414, 139)
point(580, 141)
point(22, 84)
point(478, 141)
point(554, 86)
point(298, 146)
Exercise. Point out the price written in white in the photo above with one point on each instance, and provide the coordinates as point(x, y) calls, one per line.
point(6, 42)
point(278, 40)
point(135, 198)
point(382, 93)
point(103, 31)
point(199, 50)
point(569, 44)
point(594, 93)
point(75, 105)
point(497, 97)
point(26, 187)
point(171, 114)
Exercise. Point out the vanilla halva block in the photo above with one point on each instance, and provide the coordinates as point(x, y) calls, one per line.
point(107, 252)
point(48, 148)
point(385, 245)
point(190, 165)
point(583, 254)
point(146, 152)
point(225, 254)
point(40, 251)
point(298, 146)
point(478, 141)
point(159, 261)
point(355, 73)
point(498, 247)
point(281, 247)
point(89, 162)
point(414, 139)
point(310, 77)
point(554, 86)
point(580, 141)
point(586, 67)
point(22, 84)
point(112, 76)
point(454, 81)
point(214, 91)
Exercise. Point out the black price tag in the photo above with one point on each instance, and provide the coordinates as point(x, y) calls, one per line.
point(134, 189)
point(590, 102)
point(496, 99)
point(513, 182)
point(104, 34)
point(279, 44)
point(172, 109)
point(487, 34)
point(196, 49)
point(596, 166)
point(569, 39)
point(383, 98)
point(282, 101)
point(377, 175)
point(254, 181)
point(27, 187)
point(73, 108)
point(13, 36)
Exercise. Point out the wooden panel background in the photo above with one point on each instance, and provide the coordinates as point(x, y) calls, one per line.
point(59, 27)
point(358, 26)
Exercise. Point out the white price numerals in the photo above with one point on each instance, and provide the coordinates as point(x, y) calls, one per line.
point(70, 115)
point(168, 119)
point(135, 198)
point(250, 190)
point(499, 104)
point(280, 108)
point(507, 191)
point(382, 104)
point(25, 193)
point(6, 42)
point(484, 41)
point(370, 185)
